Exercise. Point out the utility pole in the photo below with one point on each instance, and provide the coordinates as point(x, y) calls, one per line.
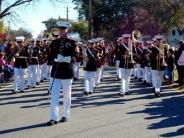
point(8, 31)
point(67, 10)
point(90, 20)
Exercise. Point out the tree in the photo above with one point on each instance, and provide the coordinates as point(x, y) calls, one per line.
point(121, 16)
point(20, 32)
point(9, 6)
point(81, 27)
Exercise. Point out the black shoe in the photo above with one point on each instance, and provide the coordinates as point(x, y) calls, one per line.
point(75, 79)
point(139, 80)
point(148, 85)
point(121, 94)
point(28, 87)
point(144, 83)
point(51, 123)
point(63, 119)
point(86, 93)
point(101, 80)
point(118, 79)
point(90, 92)
point(37, 83)
point(21, 91)
point(33, 87)
point(127, 93)
point(157, 94)
point(14, 92)
point(136, 78)
point(41, 81)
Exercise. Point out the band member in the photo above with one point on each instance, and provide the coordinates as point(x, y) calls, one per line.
point(44, 47)
point(147, 61)
point(64, 51)
point(126, 65)
point(117, 58)
point(21, 64)
point(157, 64)
point(50, 58)
point(40, 60)
point(32, 69)
point(139, 50)
point(100, 61)
point(78, 61)
point(90, 67)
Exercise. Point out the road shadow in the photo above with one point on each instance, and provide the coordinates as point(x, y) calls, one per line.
point(11, 130)
point(166, 113)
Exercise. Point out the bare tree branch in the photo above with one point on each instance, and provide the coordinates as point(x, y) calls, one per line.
point(7, 10)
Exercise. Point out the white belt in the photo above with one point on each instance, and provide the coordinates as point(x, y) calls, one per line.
point(21, 57)
point(61, 58)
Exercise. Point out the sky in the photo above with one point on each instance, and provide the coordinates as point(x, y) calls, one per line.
point(32, 16)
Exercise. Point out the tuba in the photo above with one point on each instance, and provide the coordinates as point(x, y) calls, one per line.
point(161, 55)
point(136, 35)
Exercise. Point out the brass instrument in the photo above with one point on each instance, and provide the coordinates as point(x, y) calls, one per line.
point(160, 56)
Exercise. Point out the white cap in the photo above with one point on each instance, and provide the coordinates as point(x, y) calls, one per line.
point(99, 39)
point(63, 24)
point(32, 40)
point(91, 41)
point(38, 39)
point(20, 38)
point(139, 41)
point(154, 39)
point(149, 42)
point(80, 43)
point(126, 35)
point(44, 39)
point(159, 37)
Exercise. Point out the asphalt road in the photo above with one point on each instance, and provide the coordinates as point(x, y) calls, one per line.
point(101, 115)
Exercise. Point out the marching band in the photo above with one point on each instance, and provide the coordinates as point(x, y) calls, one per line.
point(59, 62)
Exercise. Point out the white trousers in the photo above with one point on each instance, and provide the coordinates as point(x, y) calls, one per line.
point(98, 76)
point(89, 81)
point(102, 71)
point(143, 74)
point(38, 75)
point(148, 74)
point(117, 68)
point(125, 79)
point(139, 71)
point(134, 72)
point(32, 72)
point(55, 96)
point(43, 71)
point(19, 77)
point(157, 79)
point(76, 67)
point(48, 72)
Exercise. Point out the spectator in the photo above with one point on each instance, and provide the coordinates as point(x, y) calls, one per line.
point(3, 46)
point(180, 69)
point(2, 63)
point(170, 63)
